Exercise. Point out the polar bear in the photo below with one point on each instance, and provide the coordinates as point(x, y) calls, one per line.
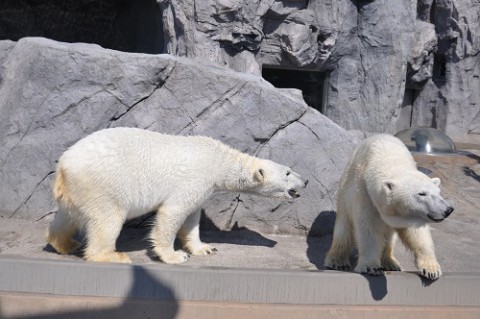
point(120, 173)
point(382, 195)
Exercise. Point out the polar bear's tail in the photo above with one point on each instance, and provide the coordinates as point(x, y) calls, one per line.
point(60, 189)
point(59, 185)
point(62, 229)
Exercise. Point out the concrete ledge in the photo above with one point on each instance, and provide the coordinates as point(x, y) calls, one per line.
point(56, 307)
point(96, 287)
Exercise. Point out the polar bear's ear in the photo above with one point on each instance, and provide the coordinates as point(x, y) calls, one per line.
point(259, 175)
point(436, 181)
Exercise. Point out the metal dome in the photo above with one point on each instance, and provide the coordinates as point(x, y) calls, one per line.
point(426, 140)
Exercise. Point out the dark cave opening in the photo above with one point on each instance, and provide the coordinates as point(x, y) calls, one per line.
point(124, 25)
point(313, 84)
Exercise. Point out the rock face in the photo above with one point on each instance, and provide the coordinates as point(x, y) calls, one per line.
point(451, 100)
point(391, 64)
point(55, 93)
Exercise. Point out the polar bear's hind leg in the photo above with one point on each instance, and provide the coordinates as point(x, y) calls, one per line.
point(60, 233)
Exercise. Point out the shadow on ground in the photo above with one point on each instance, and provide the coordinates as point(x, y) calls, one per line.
point(237, 235)
point(134, 305)
point(319, 238)
point(134, 236)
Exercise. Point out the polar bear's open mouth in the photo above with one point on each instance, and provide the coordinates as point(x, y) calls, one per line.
point(436, 220)
point(293, 193)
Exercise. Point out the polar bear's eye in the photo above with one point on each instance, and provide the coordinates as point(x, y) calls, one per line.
point(422, 194)
point(288, 173)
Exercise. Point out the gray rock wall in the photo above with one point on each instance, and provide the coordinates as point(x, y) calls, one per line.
point(451, 99)
point(55, 93)
point(392, 64)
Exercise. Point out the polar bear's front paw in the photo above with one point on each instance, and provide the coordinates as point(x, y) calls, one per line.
point(370, 269)
point(429, 269)
point(201, 250)
point(175, 257)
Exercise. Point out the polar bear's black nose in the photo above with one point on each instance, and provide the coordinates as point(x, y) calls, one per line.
point(448, 211)
point(306, 183)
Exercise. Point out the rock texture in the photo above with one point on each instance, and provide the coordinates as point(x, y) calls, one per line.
point(56, 93)
point(451, 99)
point(392, 64)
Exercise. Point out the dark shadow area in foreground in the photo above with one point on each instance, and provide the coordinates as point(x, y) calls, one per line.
point(377, 285)
point(147, 298)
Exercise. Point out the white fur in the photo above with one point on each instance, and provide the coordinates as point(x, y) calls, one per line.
point(121, 173)
point(382, 195)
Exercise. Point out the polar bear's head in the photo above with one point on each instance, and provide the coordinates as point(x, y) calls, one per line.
point(414, 199)
point(271, 179)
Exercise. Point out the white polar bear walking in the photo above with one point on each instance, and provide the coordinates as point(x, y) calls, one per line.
point(382, 194)
point(120, 173)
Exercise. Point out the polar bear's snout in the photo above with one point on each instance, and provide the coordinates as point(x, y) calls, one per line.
point(298, 183)
point(294, 193)
point(441, 216)
point(441, 213)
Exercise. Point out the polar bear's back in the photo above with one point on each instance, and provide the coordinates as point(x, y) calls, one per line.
point(376, 159)
point(136, 166)
point(136, 149)
point(383, 154)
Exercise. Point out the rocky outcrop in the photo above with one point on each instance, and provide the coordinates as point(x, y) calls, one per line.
point(364, 46)
point(391, 64)
point(56, 93)
point(451, 99)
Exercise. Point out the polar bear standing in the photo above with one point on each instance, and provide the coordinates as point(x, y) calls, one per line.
point(382, 194)
point(120, 173)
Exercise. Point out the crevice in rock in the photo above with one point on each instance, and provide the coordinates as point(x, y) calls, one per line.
point(221, 100)
point(274, 209)
point(319, 139)
point(160, 84)
point(43, 216)
point(328, 195)
point(25, 133)
point(264, 141)
point(214, 106)
point(228, 224)
point(31, 194)
point(310, 129)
